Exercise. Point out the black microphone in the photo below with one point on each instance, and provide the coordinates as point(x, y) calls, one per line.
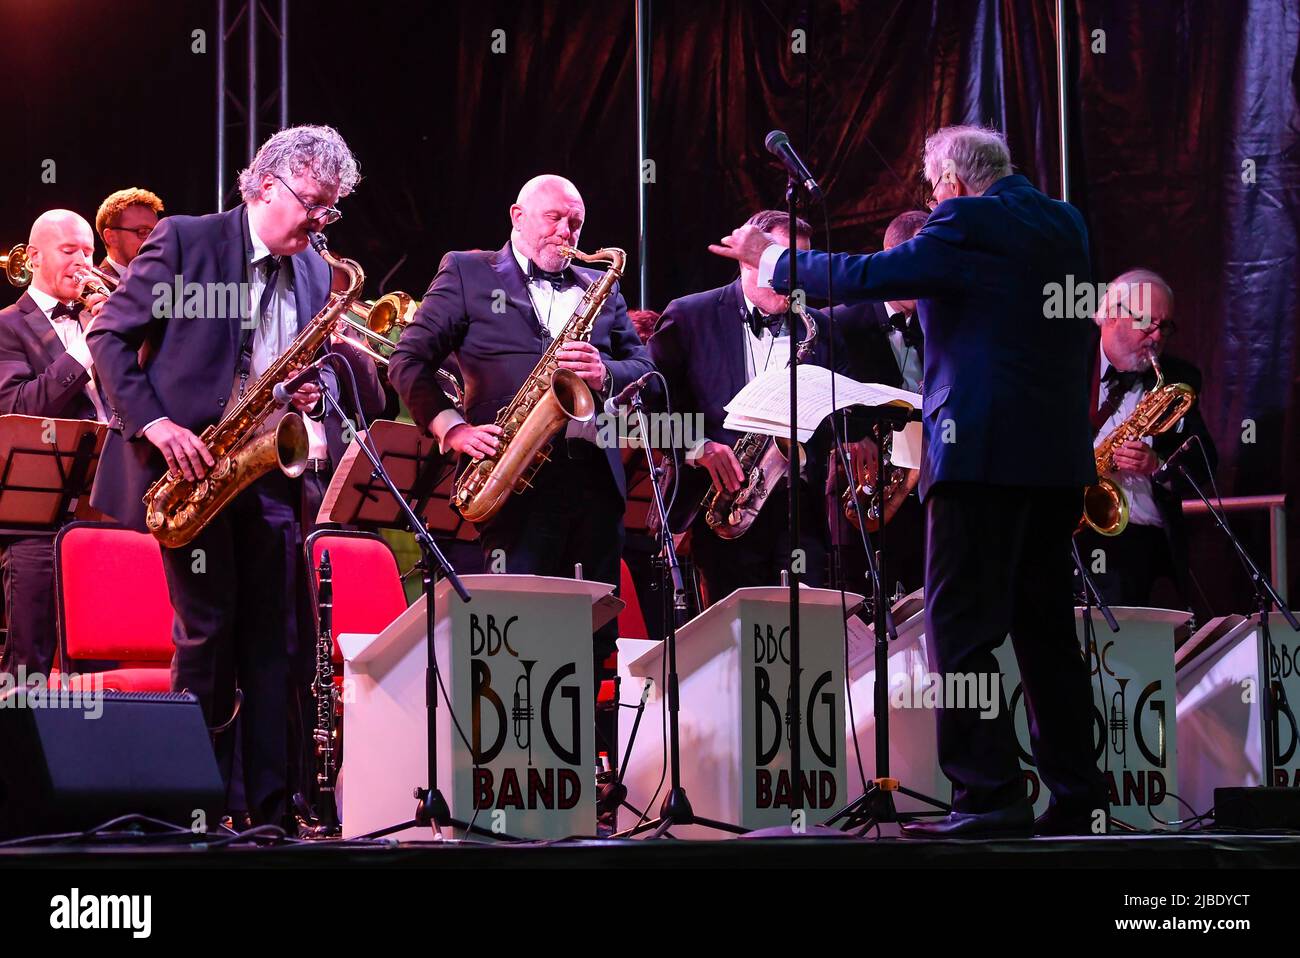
point(1167, 466)
point(778, 144)
point(625, 397)
point(283, 392)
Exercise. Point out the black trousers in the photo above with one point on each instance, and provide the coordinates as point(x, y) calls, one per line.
point(234, 594)
point(28, 563)
point(758, 557)
point(1129, 564)
point(573, 513)
point(999, 562)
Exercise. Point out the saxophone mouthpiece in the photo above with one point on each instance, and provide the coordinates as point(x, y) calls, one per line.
point(317, 240)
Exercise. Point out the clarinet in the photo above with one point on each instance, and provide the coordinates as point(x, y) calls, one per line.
point(326, 732)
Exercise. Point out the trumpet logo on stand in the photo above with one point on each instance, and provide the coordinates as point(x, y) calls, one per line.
point(522, 710)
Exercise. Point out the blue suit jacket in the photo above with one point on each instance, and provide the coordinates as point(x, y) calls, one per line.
point(194, 344)
point(1006, 389)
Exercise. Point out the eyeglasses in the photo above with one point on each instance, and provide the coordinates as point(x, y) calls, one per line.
point(319, 214)
point(141, 232)
point(1148, 326)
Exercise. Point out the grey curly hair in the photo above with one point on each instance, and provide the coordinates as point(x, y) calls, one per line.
point(977, 154)
point(318, 150)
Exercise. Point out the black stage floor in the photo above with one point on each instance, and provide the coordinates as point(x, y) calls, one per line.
point(1199, 851)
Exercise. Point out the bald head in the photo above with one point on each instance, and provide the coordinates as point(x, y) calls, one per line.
point(59, 244)
point(548, 214)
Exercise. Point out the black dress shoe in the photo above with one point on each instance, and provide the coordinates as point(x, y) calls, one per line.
point(1014, 821)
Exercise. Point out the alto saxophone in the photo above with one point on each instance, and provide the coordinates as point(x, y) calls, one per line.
point(177, 510)
point(1105, 507)
point(763, 461)
point(550, 398)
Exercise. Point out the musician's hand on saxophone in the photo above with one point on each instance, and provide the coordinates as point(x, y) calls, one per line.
point(1136, 456)
point(185, 453)
point(584, 359)
point(474, 441)
point(722, 464)
point(306, 398)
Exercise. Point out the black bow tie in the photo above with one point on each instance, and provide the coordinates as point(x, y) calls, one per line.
point(758, 321)
point(1120, 380)
point(63, 309)
point(909, 326)
point(557, 279)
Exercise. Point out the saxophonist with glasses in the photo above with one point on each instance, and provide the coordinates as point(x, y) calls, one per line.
point(499, 313)
point(233, 585)
point(1135, 322)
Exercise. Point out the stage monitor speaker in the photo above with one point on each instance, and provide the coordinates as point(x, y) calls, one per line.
point(1257, 807)
point(70, 761)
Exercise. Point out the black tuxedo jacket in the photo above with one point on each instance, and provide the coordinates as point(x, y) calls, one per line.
point(184, 295)
point(869, 356)
point(699, 347)
point(37, 375)
point(478, 307)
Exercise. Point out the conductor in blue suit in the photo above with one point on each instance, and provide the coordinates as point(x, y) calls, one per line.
point(1009, 451)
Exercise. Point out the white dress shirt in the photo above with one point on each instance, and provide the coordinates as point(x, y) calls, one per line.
point(276, 331)
point(73, 337)
point(762, 352)
point(907, 357)
point(1136, 487)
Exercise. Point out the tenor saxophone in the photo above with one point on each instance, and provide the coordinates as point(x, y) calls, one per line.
point(177, 510)
point(550, 398)
point(763, 462)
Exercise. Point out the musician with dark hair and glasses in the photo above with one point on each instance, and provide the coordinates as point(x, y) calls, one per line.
point(708, 346)
point(1136, 321)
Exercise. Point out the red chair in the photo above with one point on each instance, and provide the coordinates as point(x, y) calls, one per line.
point(631, 622)
point(113, 605)
point(368, 592)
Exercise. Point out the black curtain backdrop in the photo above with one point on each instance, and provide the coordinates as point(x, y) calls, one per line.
point(1183, 138)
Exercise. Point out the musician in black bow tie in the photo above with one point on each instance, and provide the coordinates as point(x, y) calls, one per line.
point(708, 346)
point(498, 312)
point(45, 370)
point(883, 344)
point(1135, 319)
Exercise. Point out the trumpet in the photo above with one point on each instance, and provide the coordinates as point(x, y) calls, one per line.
point(17, 268)
point(92, 280)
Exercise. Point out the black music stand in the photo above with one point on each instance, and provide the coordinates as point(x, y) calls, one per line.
point(876, 805)
point(364, 476)
point(46, 468)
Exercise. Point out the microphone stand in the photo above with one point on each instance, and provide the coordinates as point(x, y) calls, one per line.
point(676, 808)
point(431, 810)
point(793, 701)
point(1266, 598)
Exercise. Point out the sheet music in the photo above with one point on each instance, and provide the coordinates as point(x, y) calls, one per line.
point(763, 406)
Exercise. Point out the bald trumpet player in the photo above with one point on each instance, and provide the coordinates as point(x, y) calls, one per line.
point(45, 370)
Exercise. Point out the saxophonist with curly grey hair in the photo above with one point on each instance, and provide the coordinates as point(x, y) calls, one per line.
point(218, 298)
